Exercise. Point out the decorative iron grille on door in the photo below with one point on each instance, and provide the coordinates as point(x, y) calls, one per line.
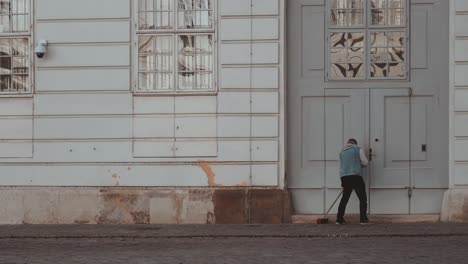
point(367, 39)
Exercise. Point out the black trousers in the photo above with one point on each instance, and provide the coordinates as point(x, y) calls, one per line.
point(350, 183)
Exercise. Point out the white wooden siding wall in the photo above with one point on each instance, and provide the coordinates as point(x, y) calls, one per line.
point(248, 101)
point(460, 96)
point(88, 129)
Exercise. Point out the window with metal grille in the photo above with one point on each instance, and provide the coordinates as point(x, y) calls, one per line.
point(367, 39)
point(15, 48)
point(175, 40)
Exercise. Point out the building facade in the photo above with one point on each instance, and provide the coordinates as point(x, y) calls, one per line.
point(221, 111)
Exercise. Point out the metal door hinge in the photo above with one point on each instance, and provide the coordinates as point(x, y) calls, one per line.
point(410, 192)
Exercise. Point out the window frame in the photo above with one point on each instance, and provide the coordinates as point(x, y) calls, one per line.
point(31, 69)
point(367, 29)
point(175, 32)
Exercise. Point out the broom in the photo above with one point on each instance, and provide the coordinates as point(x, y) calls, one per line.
point(324, 220)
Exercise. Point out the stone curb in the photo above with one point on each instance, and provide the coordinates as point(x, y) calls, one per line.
point(236, 236)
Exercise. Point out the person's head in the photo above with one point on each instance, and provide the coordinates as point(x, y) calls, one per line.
point(352, 141)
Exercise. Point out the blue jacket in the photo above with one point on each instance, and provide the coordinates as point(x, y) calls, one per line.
point(350, 161)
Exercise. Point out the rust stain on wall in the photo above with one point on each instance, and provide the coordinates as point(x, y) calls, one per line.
point(206, 167)
point(116, 176)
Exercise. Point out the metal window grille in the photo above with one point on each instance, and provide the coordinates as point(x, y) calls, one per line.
point(367, 39)
point(15, 55)
point(175, 40)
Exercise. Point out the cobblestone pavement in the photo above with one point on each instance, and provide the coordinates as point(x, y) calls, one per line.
point(397, 243)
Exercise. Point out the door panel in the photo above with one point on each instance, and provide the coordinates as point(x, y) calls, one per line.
point(389, 138)
point(388, 201)
point(426, 201)
point(390, 132)
point(345, 117)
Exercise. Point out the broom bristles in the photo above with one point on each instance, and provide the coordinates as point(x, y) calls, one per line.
point(322, 221)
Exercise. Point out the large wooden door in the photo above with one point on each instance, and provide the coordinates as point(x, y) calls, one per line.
point(402, 121)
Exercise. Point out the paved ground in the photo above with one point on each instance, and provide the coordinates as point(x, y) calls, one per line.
point(379, 243)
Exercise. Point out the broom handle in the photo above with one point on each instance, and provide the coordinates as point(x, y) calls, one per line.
point(329, 209)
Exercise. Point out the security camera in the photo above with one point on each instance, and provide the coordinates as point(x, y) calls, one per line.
point(41, 48)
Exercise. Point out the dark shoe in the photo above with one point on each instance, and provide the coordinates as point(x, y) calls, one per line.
point(340, 222)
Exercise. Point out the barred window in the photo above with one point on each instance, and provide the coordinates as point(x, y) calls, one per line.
point(367, 39)
point(15, 47)
point(175, 40)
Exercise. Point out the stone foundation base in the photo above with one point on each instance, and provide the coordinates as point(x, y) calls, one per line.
point(44, 205)
point(455, 206)
point(389, 219)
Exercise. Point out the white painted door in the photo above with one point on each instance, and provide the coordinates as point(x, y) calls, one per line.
point(350, 76)
point(379, 119)
point(389, 140)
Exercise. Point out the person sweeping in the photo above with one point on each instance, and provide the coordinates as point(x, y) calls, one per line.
point(352, 160)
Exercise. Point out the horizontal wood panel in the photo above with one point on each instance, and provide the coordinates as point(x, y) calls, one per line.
point(199, 126)
point(265, 126)
point(461, 78)
point(232, 8)
point(244, 78)
point(153, 148)
point(239, 126)
point(461, 30)
point(16, 128)
point(239, 53)
point(82, 80)
point(460, 171)
point(459, 150)
point(265, 7)
point(83, 128)
point(461, 100)
point(86, 55)
point(84, 31)
point(16, 149)
point(235, 29)
point(265, 150)
point(461, 5)
point(461, 50)
point(82, 104)
point(195, 104)
point(230, 150)
point(194, 148)
point(249, 29)
point(123, 175)
point(153, 104)
point(82, 151)
point(265, 102)
point(265, 175)
point(460, 124)
point(265, 53)
point(143, 150)
point(233, 126)
point(72, 9)
point(154, 127)
point(231, 175)
point(16, 106)
point(234, 102)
